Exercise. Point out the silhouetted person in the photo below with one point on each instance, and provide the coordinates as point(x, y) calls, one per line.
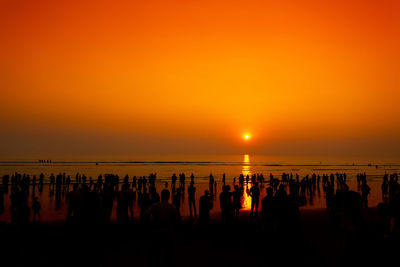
point(281, 193)
point(52, 182)
point(5, 180)
point(211, 184)
point(255, 198)
point(41, 182)
point(36, 209)
point(182, 179)
point(154, 196)
point(74, 199)
point(1, 199)
point(365, 190)
point(134, 182)
point(329, 194)
point(130, 197)
point(163, 214)
point(19, 206)
point(107, 202)
point(280, 200)
point(385, 187)
point(205, 205)
point(33, 184)
point(173, 179)
point(237, 194)
point(225, 200)
point(144, 202)
point(176, 200)
point(192, 199)
point(395, 207)
point(347, 204)
point(123, 204)
point(67, 183)
point(268, 208)
point(163, 217)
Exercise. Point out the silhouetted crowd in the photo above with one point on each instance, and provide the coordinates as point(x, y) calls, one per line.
point(93, 201)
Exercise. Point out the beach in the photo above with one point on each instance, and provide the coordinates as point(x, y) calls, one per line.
point(54, 204)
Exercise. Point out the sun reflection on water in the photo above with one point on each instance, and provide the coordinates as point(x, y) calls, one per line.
point(246, 205)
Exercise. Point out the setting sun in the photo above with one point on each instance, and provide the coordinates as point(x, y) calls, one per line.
point(246, 137)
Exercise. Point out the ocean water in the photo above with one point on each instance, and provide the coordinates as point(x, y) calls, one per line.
point(54, 208)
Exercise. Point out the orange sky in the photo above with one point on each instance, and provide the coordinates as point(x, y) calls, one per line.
point(303, 77)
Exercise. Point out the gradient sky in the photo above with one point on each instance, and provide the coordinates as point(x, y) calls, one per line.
point(140, 77)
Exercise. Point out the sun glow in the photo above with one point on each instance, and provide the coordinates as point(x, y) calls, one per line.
point(246, 137)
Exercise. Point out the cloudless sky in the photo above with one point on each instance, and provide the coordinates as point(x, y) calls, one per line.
point(302, 77)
